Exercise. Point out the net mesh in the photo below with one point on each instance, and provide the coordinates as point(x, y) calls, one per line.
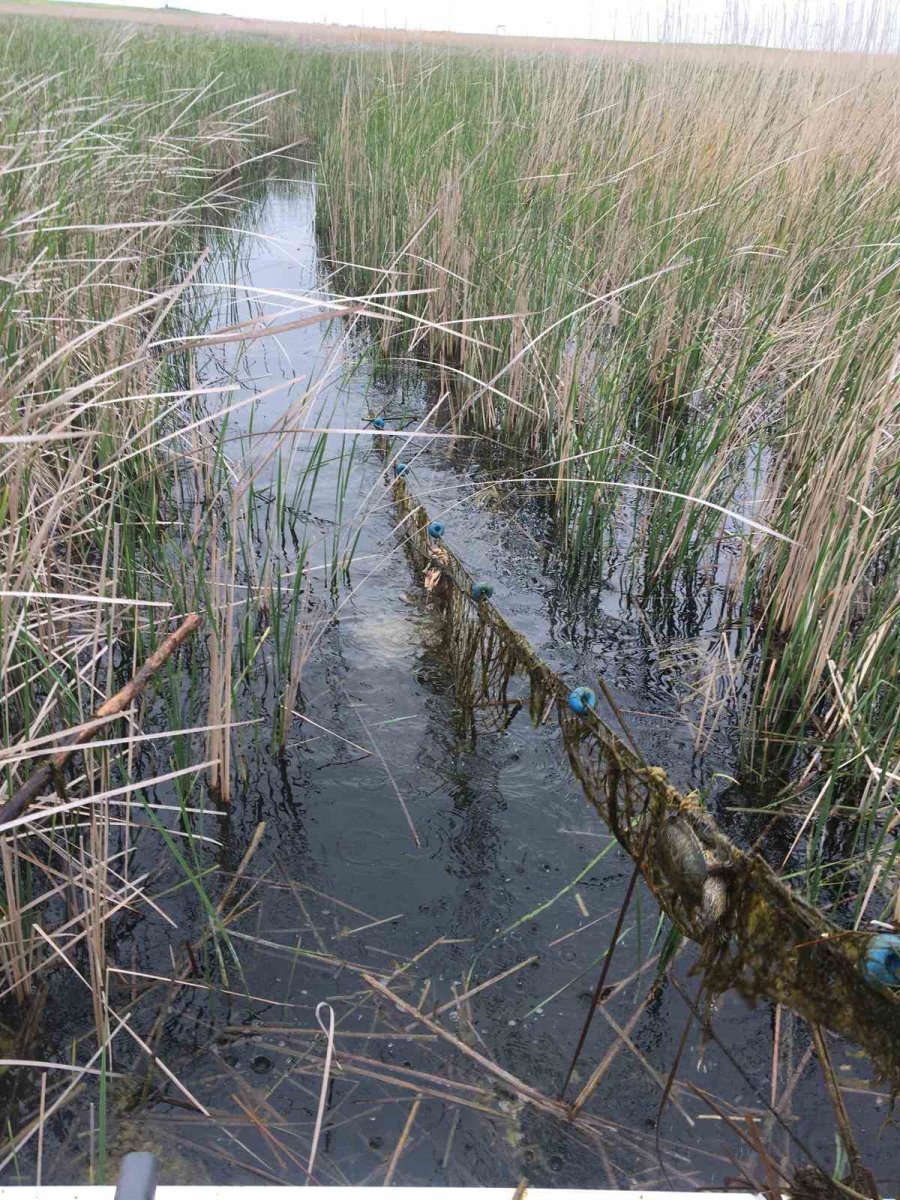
point(755, 933)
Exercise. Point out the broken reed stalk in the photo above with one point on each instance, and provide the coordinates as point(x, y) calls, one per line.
point(326, 1081)
point(401, 1143)
point(772, 1190)
point(43, 778)
point(860, 1177)
point(765, 942)
point(518, 1086)
point(597, 997)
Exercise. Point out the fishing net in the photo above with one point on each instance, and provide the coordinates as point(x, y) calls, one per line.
point(755, 934)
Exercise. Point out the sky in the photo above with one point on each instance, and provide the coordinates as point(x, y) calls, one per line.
point(773, 22)
point(560, 18)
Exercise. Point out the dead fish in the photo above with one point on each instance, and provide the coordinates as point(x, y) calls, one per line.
point(692, 869)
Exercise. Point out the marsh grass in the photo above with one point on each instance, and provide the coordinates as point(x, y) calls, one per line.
point(669, 269)
point(678, 270)
point(121, 507)
point(115, 502)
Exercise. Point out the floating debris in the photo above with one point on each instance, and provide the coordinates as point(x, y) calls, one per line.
point(482, 591)
point(378, 422)
point(401, 469)
point(436, 529)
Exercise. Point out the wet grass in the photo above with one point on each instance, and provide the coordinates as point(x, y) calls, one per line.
point(673, 271)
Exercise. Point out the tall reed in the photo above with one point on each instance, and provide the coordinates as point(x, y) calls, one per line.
point(699, 251)
point(674, 273)
point(106, 453)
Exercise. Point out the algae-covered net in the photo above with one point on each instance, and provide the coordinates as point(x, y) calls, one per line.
point(755, 934)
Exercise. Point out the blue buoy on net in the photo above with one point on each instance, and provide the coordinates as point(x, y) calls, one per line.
point(401, 468)
point(378, 422)
point(436, 529)
point(582, 700)
point(482, 591)
point(881, 963)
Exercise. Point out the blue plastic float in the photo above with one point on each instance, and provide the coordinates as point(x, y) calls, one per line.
point(882, 960)
point(582, 700)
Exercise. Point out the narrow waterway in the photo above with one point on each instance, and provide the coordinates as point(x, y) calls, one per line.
point(512, 871)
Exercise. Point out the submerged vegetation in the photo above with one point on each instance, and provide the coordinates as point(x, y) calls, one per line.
point(659, 285)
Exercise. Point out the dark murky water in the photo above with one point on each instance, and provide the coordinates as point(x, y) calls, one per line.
point(505, 834)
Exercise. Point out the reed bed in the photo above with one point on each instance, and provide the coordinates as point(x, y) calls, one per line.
point(663, 275)
point(678, 277)
point(116, 518)
point(121, 511)
point(664, 280)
